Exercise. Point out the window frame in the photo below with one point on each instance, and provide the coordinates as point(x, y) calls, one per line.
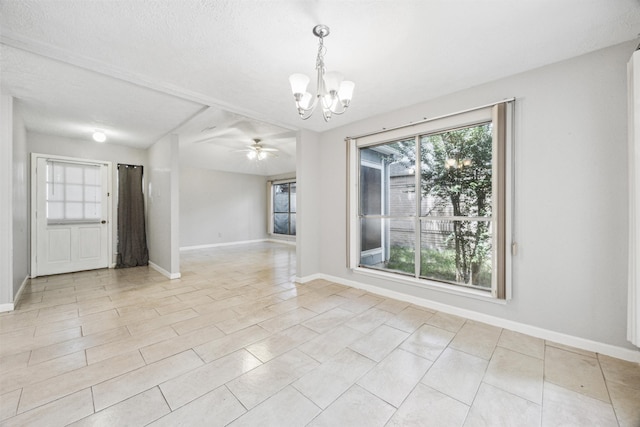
point(501, 115)
point(272, 212)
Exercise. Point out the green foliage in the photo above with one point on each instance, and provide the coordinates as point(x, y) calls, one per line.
point(435, 264)
point(456, 180)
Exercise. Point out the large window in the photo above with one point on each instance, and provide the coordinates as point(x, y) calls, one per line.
point(430, 204)
point(284, 208)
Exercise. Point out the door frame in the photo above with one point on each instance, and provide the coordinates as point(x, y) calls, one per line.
point(34, 204)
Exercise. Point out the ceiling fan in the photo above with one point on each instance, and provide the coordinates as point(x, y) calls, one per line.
point(258, 151)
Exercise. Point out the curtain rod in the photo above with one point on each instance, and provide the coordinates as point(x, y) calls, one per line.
point(129, 166)
point(431, 119)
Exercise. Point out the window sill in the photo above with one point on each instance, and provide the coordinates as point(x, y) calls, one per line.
point(431, 285)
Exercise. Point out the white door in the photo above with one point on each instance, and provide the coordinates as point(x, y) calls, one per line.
point(71, 216)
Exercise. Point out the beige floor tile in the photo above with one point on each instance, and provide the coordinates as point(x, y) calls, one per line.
point(495, 407)
point(392, 305)
point(287, 319)
point(393, 379)
point(626, 404)
point(327, 345)
point(250, 291)
point(369, 320)
point(198, 382)
point(428, 341)
point(27, 375)
point(60, 325)
point(428, 407)
point(138, 410)
point(324, 304)
point(244, 321)
point(70, 382)
point(575, 372)
point(355, 407)
point(516, 373)
point(446, 321)
point(332, 378)
point(620, 371)
point(361, 303)
point(215, 409)
point(74, 345)
point(379, 343)
point(220, 347)
point(14, 362)
point(60, 412)
point(143, 327)
point(409, 319)
point(202, 321)
point(562, 407)
point(266, 380)
point(127, 317)
point(23, 340)
point(571, 349)
point(457, 374)
point(281, 342)
point(286, 408)
point(124, 386)
point(476, 339)
point(9, 403)
point(169, 347)
point(522, 343)
point(328, 320)
point(127, 344)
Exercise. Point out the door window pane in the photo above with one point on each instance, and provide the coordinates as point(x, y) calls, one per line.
point(284, 208)
point(74, 192)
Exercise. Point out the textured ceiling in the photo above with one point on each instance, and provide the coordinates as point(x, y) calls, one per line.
point(142, 68)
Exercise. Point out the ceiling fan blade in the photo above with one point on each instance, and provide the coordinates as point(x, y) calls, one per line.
point(269, 149)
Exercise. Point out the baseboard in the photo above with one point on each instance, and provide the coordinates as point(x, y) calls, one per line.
point(12, 305)
point(217, 245)
point(534, 331)
point(164, 272)
point(286, 242)
point(18, 294)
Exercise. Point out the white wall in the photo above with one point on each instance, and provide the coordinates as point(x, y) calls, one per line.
point(21, 218)
point(570, 275)
point(89, 149)
point(221, 207)
point(163, 204)
point(6, 195)
point(310, 184)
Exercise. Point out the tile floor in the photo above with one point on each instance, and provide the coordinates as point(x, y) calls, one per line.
point(237, 342)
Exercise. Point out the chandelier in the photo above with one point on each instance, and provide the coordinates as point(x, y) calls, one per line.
point(333, 94)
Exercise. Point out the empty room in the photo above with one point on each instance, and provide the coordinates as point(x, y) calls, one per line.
point(320, 213)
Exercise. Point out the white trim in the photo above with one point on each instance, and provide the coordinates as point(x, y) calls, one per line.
point(286, 242)
point(18, 295)
point(164, 272)
point(217, 245)
point(6, 307)
point(534, 331)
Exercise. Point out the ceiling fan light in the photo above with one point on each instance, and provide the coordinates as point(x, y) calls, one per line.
point(99, 136)
point(262, 155)
point(251, 155)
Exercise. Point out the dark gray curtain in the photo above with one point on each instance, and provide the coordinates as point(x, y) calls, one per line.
point(132, 237)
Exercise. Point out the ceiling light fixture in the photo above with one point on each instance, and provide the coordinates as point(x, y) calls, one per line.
point(99, 136)
point(332, 93)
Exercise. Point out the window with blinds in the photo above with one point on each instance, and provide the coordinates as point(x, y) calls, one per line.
point(74, 192)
